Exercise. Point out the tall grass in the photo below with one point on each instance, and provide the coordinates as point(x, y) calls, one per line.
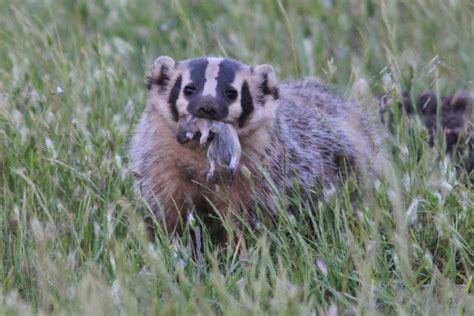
point(73, 239)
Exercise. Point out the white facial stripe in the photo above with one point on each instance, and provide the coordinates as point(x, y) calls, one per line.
point(212, 72)
point(235, 109)
point(182, 103)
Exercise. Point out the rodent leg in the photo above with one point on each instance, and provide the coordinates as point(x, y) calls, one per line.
point(205, 130)
point(212, 170)
point(233, 168)
point(204, 137)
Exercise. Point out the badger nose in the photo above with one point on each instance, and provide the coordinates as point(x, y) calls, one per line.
point(207, 109)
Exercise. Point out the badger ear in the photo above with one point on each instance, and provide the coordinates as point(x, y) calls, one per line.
point(460, 101)
point(161, 72)
point(266, 80)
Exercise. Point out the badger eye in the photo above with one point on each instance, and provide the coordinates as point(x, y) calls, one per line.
point(189, 90)
point(230, 93)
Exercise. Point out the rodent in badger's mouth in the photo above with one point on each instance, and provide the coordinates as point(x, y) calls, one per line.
point(190, 130)
point(224, 149)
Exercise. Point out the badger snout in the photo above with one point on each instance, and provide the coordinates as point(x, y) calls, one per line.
point(208, 107)
point(207, 111)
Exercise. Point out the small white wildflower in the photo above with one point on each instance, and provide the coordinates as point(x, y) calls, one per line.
point(71, 260)
point(59, 90)
point(113, 263)
point(191, 220)
point(438, 196)
point(164, 26)
point(292, 219)
point(37, 230)
point(116, 292)
point(407, 181)
point(329, 191)
point(332, 311)
point(117, 119)
point(145, 272)
point(320, 206)
point(322, 266)
point(392, 195)
point(377, 184)
point(371, 248)
point(245, 172)
point(110, 212)
point(445, 164)
point(13, 301)
point(457, 243)
point(118, 161)
point(153, 253)
point(429, 257)
point(181, 263)
point(241, 283)
point(17, 118)
point(411, 212)
point(361, 88)
point(258, 225)
point(359, 215)
point(34, 96)
point(50, 117)
point(445, 185)
point(404, 152)
point(388, 82)
point(96, 229)
point(122, 46)
point(49, 143)
point(129, 108)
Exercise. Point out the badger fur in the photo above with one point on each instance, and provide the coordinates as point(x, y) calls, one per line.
point(294, 131)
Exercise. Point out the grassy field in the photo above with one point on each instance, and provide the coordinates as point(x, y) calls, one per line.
point(72, 235)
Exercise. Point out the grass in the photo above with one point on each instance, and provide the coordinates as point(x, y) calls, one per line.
point(73, 240)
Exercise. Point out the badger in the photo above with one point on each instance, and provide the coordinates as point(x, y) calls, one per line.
point(224, 150)
point(456, 112)
point(295, 131)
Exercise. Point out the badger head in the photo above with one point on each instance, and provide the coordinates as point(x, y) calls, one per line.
point(219, 89)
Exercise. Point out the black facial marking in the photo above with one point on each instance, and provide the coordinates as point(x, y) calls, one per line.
point(149, 82)
point(197, 68)
point(265, 88)
point(246, 103)
point(161, 81)
point(164, 76)
point(174, 94)
point(227, 71)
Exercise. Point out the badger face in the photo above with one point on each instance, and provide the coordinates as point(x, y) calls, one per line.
point(219, 89)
